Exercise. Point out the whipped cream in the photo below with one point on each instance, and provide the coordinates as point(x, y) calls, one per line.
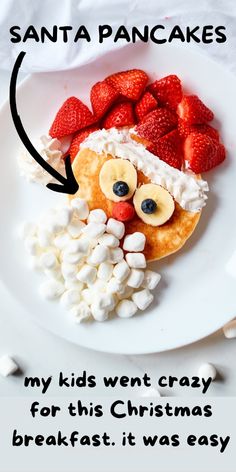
point(186, 190)
point(51, 151)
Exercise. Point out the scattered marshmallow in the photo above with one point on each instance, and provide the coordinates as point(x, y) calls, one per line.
point(126, 293)
point(75, 228)
point(48, 260)
point(94, 230)
point(99, 254)
point(87, 274)
point(142, 299)
point(134, 242)
point(104, 301)
point(62, 240)
point(117, 228)
point(81, 208)
point(64, 216)
point(135, 278)
point(126, 309)
point(105, 270)
point(151, 279)
point(109, 240)
point(230, 329)
point(116, 255)
point(114, 286)
point(99, 314)
point(206, 371)
point(70, 297)
point(72, 258)
point(136, 260)
point(121, 270)
point(7, 366)
point(51, 289)
point(81, 312)
point(31, 245)
point(87, 295)
point(97, 216)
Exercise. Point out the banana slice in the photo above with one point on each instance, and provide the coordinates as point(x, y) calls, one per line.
point(153, 204)
point(118, 179)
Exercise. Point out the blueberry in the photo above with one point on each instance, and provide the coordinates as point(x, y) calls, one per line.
point(120, 188)
point(148, 206)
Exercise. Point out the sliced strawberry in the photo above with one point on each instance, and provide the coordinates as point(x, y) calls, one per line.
point(156, 124)
point(120, 115)
point(102, 97)
point(146, 104)
point(185, 129)
point(72, 116)
point(78, 139)
point(202, 152)
point(168, 91)
point(194, 111)
point(169, 149)
point(129, 83)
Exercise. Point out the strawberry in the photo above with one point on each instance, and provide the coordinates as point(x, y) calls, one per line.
point(72, 116)
point(146, 104)
point(156, 124)
point(120, 115)
point(193, 110)
point(129, 83)
point(78, 139)
point(123, 211)
point(185, 129)
point(102, 96)
point(168, 91)
point(169, 149)
point(202, 152)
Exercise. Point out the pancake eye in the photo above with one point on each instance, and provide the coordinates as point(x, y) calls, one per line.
point(118, 179)
point(153, 204)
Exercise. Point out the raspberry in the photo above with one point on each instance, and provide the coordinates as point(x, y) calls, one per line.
point(123, 211)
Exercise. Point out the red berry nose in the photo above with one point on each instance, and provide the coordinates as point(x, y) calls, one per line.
point(123, 211)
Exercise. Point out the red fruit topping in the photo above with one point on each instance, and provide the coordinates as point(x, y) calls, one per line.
point(169, 149)
point(202, 152)
point(120, 115)
point(123, 211)
point(185, 129)
point(130, 83)
point(72, 116)
point(146, 104)
point(193, 110)
point(78, 139)
point(156, 124)
point(102, 96)
point(168, 91)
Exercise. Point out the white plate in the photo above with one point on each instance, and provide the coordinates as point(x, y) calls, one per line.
point(197, 292)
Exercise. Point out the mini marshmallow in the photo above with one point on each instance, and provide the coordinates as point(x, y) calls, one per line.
point(98, 313)
point(116, 255)
point(48, 260)
point(136, 260)
point(134, 242)
point(75, 227)
point(81, 312)
point(72, 258)
point(27, 229)
point(87, 295)
point(230, 329)
point(207, 370)
point(142, 298)
point(62, 240)
point(135, 278)
point(117, 228)
point(34, 263)
point(114, 286)
point(151, 279)
point(81, 208)
point(99, 286)
point(105, 271)
point(97, 216)
point(104, 301)
point(94, 230)
point(75, 284)
point(7, 366)
point(63, 216)
point(51, 289)
point(126, 293)
point(87, 274)
point(54, 274)
point(126, 309)
point(121, 270)
point(44, 238)
point(31, 245)
point(75, 246)
point(109, 240)
point(70, 297)
point(99, 254)
point(68, 271)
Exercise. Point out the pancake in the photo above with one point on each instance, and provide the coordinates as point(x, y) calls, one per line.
point(162, 240)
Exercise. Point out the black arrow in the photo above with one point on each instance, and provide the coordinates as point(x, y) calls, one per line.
point(69, 183)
